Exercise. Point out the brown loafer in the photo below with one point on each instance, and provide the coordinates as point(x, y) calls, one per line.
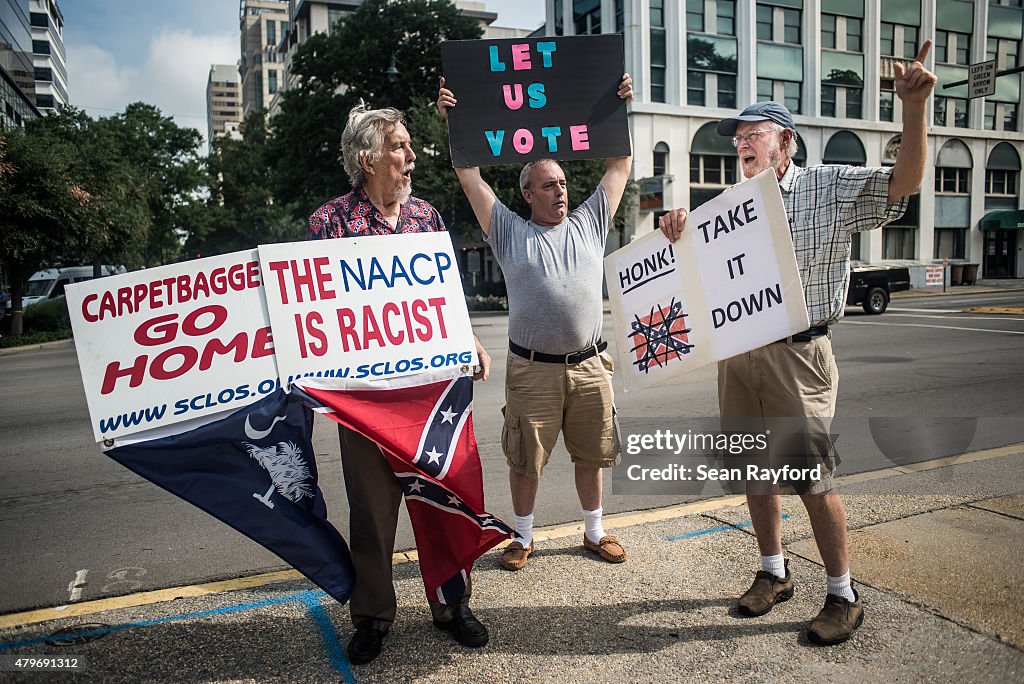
point(515, 555)
point(608, 548)
point(837, 620)
point(765, 592)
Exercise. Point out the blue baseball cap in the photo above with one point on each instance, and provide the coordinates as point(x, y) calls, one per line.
point(759, 111)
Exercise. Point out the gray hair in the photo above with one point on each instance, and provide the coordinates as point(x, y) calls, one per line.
point(791, 148)
point(364, 138)
point(524, 175)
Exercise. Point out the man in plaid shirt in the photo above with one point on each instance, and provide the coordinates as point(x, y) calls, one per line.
point(797, 377)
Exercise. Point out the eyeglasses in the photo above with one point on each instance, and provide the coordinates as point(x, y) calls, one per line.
point(749, 137)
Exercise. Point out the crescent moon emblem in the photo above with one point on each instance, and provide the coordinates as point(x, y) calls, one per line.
point(253, 433)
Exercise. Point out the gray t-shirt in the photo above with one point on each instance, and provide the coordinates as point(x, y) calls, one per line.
point(554, 275)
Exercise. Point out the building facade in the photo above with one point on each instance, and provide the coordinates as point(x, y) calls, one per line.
point(694, 62)
point(17, 74)
point(49, 60)
point(261, 25)
point(223, 102)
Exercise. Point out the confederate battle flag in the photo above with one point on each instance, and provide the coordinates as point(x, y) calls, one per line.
point(426, 432)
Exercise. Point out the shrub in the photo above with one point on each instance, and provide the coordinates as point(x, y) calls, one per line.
point(48, 316)
point(486, 303)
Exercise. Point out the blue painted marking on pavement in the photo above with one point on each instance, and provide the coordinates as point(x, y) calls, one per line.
point(715, 530)
point(335, 652)
point(171, 618)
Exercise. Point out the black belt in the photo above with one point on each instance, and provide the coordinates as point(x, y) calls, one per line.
point(806, 335)
point(567, 359)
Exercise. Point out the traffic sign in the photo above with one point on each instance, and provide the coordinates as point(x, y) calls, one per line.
point(981, 80)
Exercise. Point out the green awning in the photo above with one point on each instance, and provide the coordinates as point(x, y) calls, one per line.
point(1002, 220)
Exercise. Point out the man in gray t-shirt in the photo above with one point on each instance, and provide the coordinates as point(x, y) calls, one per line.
point(558, 376)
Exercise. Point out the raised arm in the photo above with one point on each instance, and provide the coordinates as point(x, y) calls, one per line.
point(914, 85)
point(480, 195)
point(617, 169)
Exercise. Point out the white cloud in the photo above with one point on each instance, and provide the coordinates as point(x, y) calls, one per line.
point(172, 78)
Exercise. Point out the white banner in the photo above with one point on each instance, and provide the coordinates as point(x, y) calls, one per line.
point(367, 308)
point(173, 343)
point(728, 285)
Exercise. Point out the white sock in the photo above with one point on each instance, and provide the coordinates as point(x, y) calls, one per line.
point(840, 586)
point(594, 530)
point(524, 529)
point(775, 565)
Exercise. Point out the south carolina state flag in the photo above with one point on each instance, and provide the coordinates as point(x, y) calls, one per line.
point(425, 429)
point(253, 469)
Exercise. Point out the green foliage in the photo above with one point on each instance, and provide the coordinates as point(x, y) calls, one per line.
point(29, 339)
point(241, 212)
point(334, 72)
point(48, 316)
point(486, 303)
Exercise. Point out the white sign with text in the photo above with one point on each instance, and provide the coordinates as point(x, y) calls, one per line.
point(728, 285)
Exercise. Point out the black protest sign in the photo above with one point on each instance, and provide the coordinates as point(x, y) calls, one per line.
point(535, 98)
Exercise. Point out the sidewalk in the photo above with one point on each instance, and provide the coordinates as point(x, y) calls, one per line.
point(935, 551)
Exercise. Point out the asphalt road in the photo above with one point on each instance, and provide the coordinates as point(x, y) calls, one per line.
point(922, 381)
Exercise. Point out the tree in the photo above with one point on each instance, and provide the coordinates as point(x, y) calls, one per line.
point(334, 72)
point(241, 211)
point(36, 207)
point(169, 172)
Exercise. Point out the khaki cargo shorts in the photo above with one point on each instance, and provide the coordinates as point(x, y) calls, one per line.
point(545, 399)
point(778, 384)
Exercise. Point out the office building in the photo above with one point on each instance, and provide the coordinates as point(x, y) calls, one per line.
point(262, 23)
point(223, 102)
point(49, 60)
point(831, 62)
point(17, 74)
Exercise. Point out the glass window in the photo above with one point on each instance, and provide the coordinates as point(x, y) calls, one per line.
point(791, 26)
point(990, 115)
point(726, 91)
point(41, 47)
point(886, 105)
point(764, 22)
point(695, 15)
point(1009, 116)
point(959, 112)
point(764, 90)
point(887, 39)
point(854, 35)
point(39, 20)
point(695, 88)
point(660, 159)
point(963, 49)
point(828, 31)
point(657, 12)
point(910, 41)
point(942, 46)
point(272, 81)
point(620, 21)
point(949, 243)
point(559, 13)
point(940, 111)
point(43, 74)
point(828, 100)
point(659, 60)
point(855, 103)
point(271, 32)
point(726, 17)
point(711, 53)
point(792, 96)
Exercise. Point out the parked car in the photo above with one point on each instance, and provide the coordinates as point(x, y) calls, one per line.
point(49, 283)
point(872, 286)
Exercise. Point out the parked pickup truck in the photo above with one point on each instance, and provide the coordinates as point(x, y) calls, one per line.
point(871, 286)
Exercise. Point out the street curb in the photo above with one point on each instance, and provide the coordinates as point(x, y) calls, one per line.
point(56, 344)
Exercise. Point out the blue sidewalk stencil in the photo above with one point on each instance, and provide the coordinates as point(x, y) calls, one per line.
point(310, 599)
point(716, 530)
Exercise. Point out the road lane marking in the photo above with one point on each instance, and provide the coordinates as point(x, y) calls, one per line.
point(611, 521)
point(940, 327)
point(955, 318)
point(76, 585)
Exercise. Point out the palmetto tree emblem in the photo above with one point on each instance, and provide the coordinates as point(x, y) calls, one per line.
point(289, 474)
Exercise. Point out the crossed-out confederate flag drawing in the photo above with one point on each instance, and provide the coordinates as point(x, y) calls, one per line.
point(425, 429)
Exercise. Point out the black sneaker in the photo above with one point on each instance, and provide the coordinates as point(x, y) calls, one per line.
point(466, 629)
point(365, 644)
point(765, 592)
point(837, 620)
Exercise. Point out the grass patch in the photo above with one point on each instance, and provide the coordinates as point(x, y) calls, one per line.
point(34, 338)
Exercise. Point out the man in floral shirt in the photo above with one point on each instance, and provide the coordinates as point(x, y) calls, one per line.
point(379, 161)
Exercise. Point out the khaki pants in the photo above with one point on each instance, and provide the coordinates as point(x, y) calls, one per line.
point(785, 380)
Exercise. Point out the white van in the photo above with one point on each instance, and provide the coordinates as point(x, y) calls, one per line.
point(49, 283)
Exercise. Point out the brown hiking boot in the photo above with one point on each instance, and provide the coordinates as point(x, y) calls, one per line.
point(765, 592)
point(837, 620)
point(515, 555)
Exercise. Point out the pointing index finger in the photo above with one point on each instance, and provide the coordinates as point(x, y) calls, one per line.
point(925, 49)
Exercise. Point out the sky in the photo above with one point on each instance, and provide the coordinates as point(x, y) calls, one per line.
point(160, 51)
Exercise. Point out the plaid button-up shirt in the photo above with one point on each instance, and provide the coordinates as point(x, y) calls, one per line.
point(826, 205)
point(353, 215)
